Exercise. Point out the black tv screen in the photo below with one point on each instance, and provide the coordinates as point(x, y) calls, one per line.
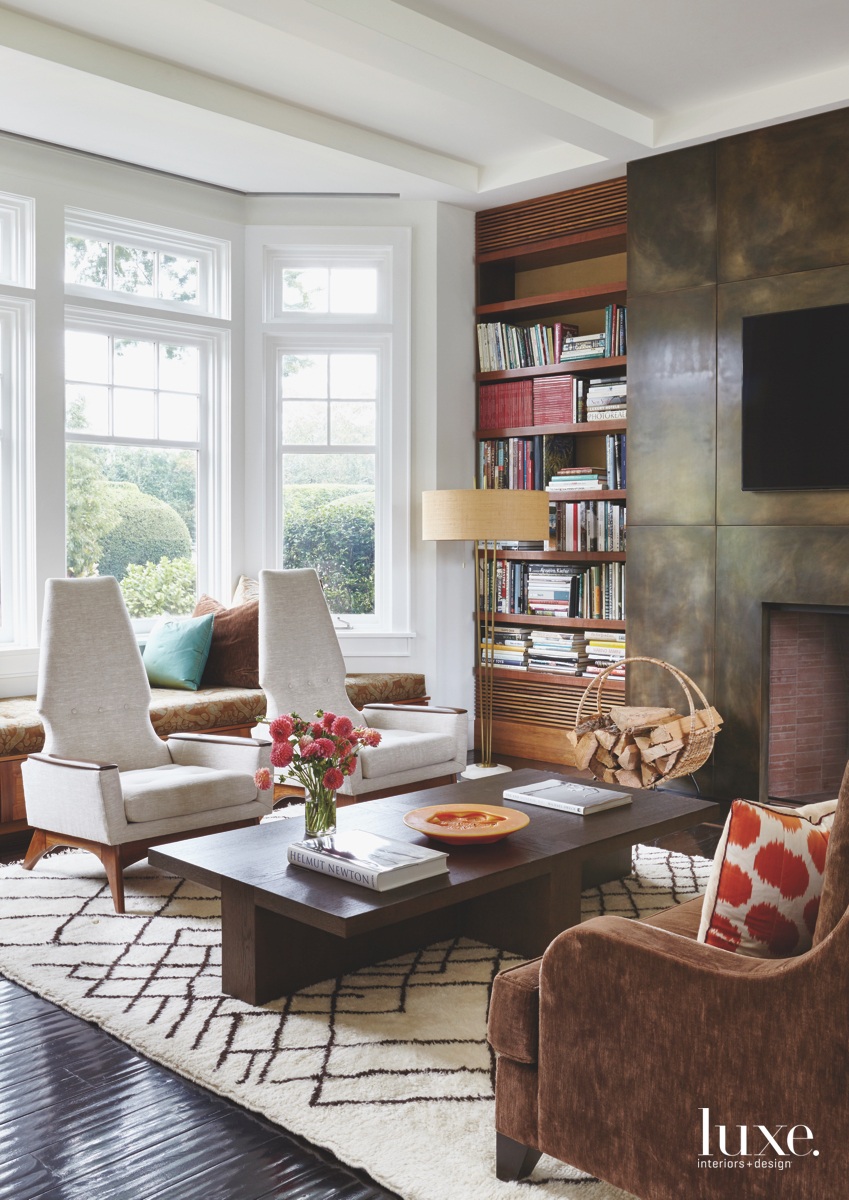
point(796, 399)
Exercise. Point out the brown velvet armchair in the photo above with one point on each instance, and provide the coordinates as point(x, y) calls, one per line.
point(611, 1046)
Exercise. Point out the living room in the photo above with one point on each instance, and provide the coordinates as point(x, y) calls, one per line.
point(234, 181)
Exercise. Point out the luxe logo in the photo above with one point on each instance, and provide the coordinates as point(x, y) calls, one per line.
point(755, 1142)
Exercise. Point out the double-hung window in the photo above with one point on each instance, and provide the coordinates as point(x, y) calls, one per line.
point(16, 419)
point(146, 415)
point(337, 315)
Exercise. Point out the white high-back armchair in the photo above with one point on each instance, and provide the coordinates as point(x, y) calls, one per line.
point(301, 669)
point(104, 781)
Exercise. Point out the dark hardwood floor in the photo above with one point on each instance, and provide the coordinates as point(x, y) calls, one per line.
point(83, 1117)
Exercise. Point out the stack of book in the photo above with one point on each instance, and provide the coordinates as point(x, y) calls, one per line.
point(509, 347)
point(604, 400)
point(587, 345)
point(554, 400)
point(553, 589)
point(604, 650)
point(579, 479)
point(509, 648)
point(501, 405)
point(588, 525)
point(523, 462)
point(563, 652)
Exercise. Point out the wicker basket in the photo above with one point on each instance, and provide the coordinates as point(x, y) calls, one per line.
point(699, 745)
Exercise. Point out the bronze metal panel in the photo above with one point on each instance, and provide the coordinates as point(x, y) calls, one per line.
point(672, 221)
point(671, 572)
point(782, 199)
point(755, 566)
point(672, 408)
point(736, 300)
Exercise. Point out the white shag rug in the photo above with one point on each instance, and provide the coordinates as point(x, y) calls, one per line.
point(388, 1068)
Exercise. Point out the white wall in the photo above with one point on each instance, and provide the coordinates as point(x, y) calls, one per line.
point(442, 377)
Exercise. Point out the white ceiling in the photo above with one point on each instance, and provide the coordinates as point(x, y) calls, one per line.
point(477, 102)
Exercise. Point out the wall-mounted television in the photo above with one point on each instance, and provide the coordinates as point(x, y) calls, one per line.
point(796, 399)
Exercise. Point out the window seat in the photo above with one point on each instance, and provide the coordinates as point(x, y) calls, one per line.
point(223, 709)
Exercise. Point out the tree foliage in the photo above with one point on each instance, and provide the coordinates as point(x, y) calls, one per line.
point(167, 586)
point(92, 511)
point(334, 533)
point(166, 474)
point(148, 530)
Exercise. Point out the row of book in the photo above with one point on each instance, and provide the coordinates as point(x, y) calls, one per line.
point(611, 342)
point(546, 589)
point(523, 462)
point(547, 400)
point(566, 652)
point(547, 461)
point(587, 525)
point(602, 399)
point(504, 347)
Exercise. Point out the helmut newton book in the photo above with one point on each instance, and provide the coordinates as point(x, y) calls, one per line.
point(368, 860)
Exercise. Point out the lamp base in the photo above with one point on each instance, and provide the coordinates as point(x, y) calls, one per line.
point(478, 771)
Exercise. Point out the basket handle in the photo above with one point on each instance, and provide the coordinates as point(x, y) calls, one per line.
point(596, 685)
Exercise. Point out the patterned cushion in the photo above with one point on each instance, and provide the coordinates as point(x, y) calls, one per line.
point(764, 890)
point(384, 687)
point(21, 730)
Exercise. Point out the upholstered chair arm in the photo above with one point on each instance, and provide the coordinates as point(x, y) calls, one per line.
point(421, 719)
point(219, 752)
point(74, 797)
point(669, 1027)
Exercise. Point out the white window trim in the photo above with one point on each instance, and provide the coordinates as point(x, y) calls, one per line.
point(17, 239)
point(17, 501)
point(388, 633)
point(213, 255)
point(214, 460)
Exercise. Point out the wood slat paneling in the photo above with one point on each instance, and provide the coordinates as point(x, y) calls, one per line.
point(545, 217)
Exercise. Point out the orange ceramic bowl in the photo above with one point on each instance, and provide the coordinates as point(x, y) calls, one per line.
point(461, 824)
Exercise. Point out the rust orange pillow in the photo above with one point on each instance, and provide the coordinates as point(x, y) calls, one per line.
point(234, 653)
point(764, 891)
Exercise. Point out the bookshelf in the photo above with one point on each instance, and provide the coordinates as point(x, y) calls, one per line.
point(555, 259)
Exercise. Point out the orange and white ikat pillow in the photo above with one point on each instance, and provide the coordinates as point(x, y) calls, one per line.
point(764, 891)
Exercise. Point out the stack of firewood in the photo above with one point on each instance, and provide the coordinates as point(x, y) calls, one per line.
point(638, 747)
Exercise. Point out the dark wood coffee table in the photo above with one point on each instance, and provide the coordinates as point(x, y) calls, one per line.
point(284, 927)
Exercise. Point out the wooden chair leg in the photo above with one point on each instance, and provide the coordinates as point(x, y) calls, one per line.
point(513, 1161)
point(110, 856)
point(37, 847)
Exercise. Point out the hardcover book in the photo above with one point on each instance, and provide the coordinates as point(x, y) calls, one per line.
point(368, 859)
point(578, 798)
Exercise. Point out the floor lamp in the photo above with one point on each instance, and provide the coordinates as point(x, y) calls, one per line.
point(484, 517)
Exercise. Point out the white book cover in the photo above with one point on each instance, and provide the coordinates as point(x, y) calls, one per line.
point(576, 797)
point(368, 859)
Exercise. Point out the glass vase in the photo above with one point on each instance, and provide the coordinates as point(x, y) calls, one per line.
point(320, 811)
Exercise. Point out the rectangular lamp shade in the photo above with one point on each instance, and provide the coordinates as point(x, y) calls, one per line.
point(488, 514)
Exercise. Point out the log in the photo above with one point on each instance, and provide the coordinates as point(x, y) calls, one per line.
point(629, 757)
point(653, 753)
point(584, 751)
point(607, 737)
point(629, 779)
point(660, 733)
point(628, 717)
point(606, 757)
point(648, 775)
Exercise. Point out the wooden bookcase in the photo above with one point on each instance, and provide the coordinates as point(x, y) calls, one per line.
point(554, 258)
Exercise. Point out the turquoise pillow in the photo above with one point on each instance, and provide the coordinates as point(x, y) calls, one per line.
point(176, 651)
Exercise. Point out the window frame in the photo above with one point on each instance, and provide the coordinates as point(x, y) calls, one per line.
point(213, 255)
point(17, 471)
point(387, 330)
point(213, 479)
point(17, 240)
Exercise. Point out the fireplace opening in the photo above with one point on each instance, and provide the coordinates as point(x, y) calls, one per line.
point(807, 700)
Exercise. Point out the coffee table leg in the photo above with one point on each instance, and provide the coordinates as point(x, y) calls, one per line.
point(524, 918)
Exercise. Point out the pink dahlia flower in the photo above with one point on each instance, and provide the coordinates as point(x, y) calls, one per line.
point(328, 719)
point(262, 779)
point(316, 729)
point(310, 749)
point(342, 726)
point(343, 748)
point(281, 754)
point(349, 766)
point(333, 778)
point(281, 728)
point(324, 747)
point(371, 737)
